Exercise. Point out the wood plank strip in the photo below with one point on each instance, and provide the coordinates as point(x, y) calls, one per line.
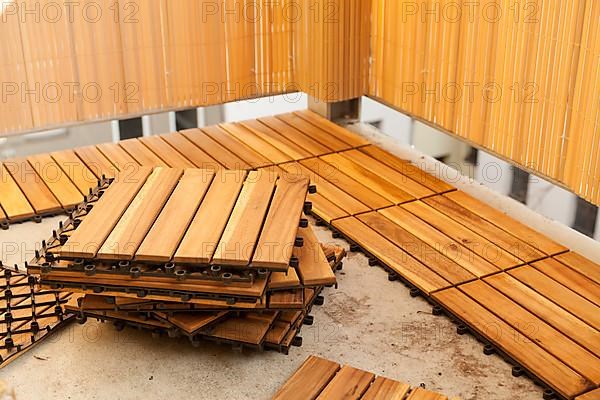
point(498, 218)
point(33, 187)
point(581, 264)
point(249, 138)
point(547, 367)
point(276, 242)
point(418, 249)
point(290, 148)
point(422, 394)
point(549, 312)
point(477, 244)
point(536, 330)
point(225, 139)
point(192, 322)
point(192, 152)
point(166, 152)
point(56, 179)
point(96, 162)
point(317, 134)
point(75, 169)
point(203, 235)
point(12, 199)
point(477, 224)
point(141, 153)
point(313, 267)
point(129, 232)
point(345, 183)
point(248, 328)
point(293, 134)
point(352, 138)
point(388, 389)
point(309, 380)
point(453, 249)
point(593, 395)
point(168, 230)
point(406, 168)
point(239, 239)
point(284, 280)
point(391, 255)
point(3, 216)
point(99, 223)
point(287, 299)
point(559, 294)
point(349, 383)
point(119, 157)
point(372, 180)
point(220, 153)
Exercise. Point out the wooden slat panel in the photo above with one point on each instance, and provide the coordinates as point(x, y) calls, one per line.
point(291, 133)
point(192, 322)
point(287, 299)
point(56, 179)
point(12, 199)
point(406, 168)
point(290, 148)
point(96, 162)
point(259, 145)
point(478, 244)
point(33, 187)
point(80, 175)
point(422, 394)
point(119, 157)
point(593, 395)
point(166, 153)
point(418, 249)
point(349, 383)
point(559, 294)
point(549, 312)
point(313, 267)
point(141, 153)
point(135, 223)
point(474, 222)
point(192, 152)
point(169, 228)
point(216, 150)
point(536, 330)
point(548, 368)
point(394, 257)
point(225, 139)
point(373, 181)
point(386, 389)
point(357, 190)
point(581, 264)
point(241, 233)
point(276, 241)
point(255, 328)
point(452, 249)
point(200, 241)
point(326, 139)
point(284, 280)
point(98, 224)
point(344, 134)
point(498, 218)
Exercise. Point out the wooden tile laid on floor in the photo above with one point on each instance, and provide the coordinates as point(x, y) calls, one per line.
point(292, 133)
point(212, 149)
point(288, 147)
point(166, 152)
point(142, 154)
point(76, 170)
point(228, 141)
point(309, 380)
point(96, 162)
point(349, 383)
point(581, 264)
point(33, 187)
point(119, 157)
point(333, 129)
point(190, 151)
point(250, 139)
point(56, 180)
point(13, 200)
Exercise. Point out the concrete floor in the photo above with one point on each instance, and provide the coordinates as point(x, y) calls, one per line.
point(368, 322)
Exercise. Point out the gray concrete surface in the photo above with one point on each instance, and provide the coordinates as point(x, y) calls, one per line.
point(368, 322)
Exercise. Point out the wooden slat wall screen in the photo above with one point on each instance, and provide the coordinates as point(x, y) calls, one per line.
point(517, 78)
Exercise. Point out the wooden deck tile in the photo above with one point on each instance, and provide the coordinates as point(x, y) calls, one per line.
point(56, 180)
point(386, 389)
point(498, 218)
point(96, 162)
point(13, 201)
point(203, 235)
point(166, 152)
point(99, 223)
point(76, 170)
point(214, 150)
point(291, 133)
point(532, 328)
point(452, 249)
point(348, 383)
point(351, 138)
point(418, 249)
point(276, 242)
point(249, 328)
point(129, 232)
point(192, 322)
point(478, 244)
point(284, 280)
point(581, 264)
point(33, 187)
point(309, 380)
point(119, 157)
point(287, 299)
point(313, 267)
point(593, 395)
point(249, 138)
point(168, 230)
point(225, 139)
point(390, 254)
point(314, 132)
point(507, 241)
point(422, 394)
point(190, 151)
point(239, 239)
point(142, 154)
point(289, 147)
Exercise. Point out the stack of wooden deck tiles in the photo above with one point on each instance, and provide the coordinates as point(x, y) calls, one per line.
point(224, 256)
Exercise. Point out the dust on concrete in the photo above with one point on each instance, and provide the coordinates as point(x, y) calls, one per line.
point(344, 308)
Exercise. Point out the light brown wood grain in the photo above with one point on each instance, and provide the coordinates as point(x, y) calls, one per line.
point(32, 185)
point(192, 152)
point(348, 383)
point(386, 389)
point(166, 152)
point(291, 133)
point(96, 162)
point(56, 179)
point(228, 141)
point(117, 156)
point(288, 147)
point(315, 133)
point(284, 280)
point(76, 170)
point(309, 380)
point(259, 145)
point(581, 264)
point(313, 267)
point(141, 153)
point(13, 200)
point(423, 394)
point(220, 153)
point(351, 138)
